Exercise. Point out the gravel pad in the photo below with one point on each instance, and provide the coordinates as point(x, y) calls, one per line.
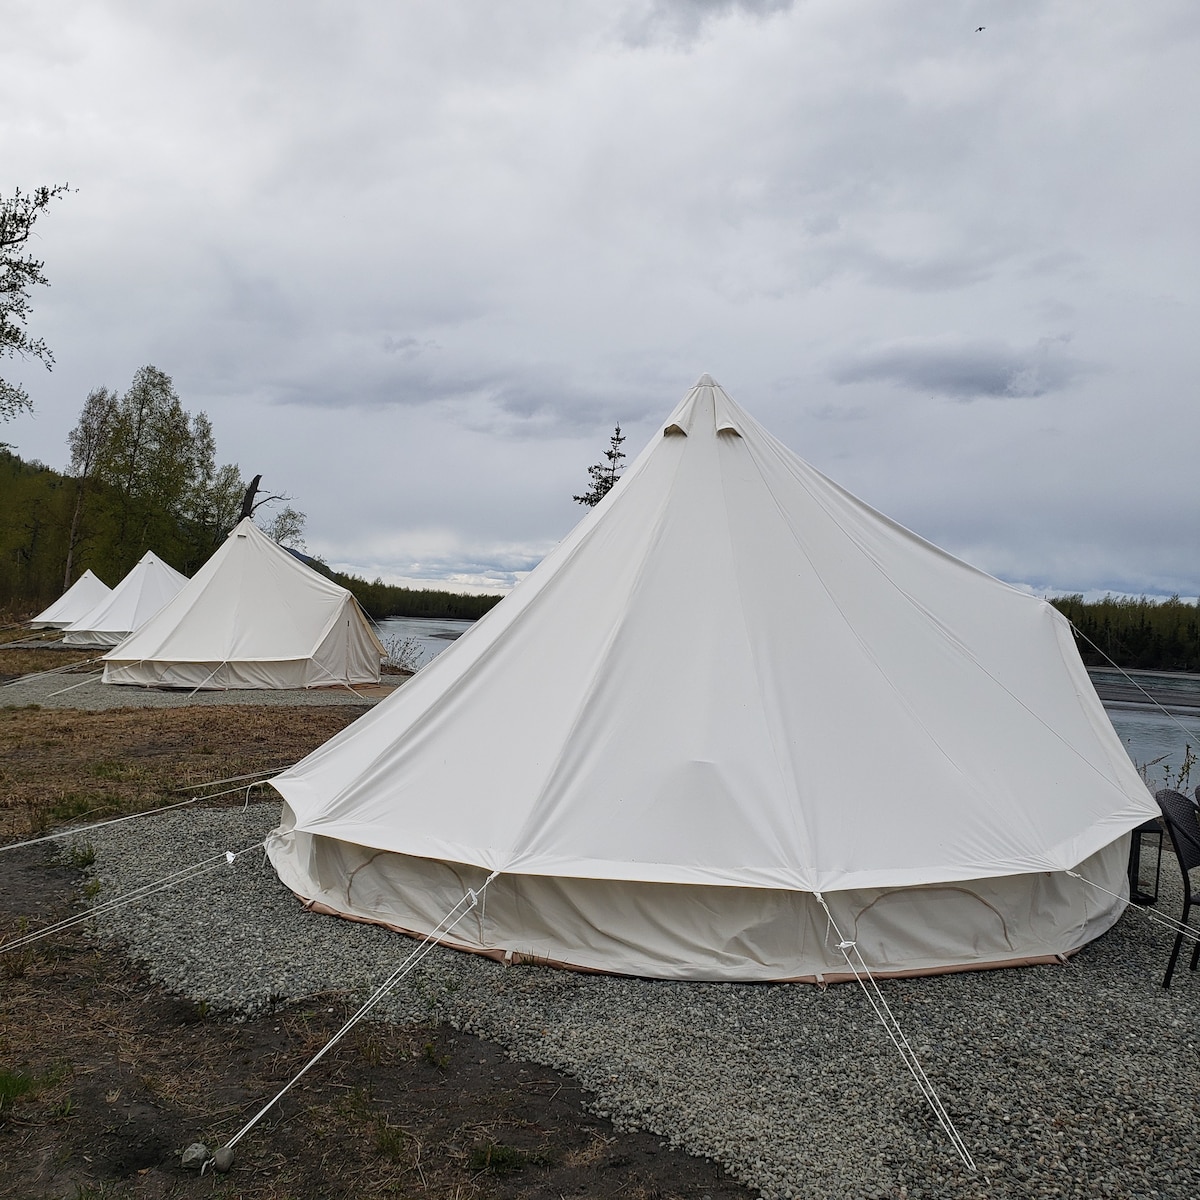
point(1075, 1080)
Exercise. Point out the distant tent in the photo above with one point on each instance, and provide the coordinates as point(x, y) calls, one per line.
point(254, 616)
point(128, 606)
point(82, 596)
point(733, 686)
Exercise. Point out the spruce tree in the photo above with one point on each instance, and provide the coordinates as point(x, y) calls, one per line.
point(606, 473)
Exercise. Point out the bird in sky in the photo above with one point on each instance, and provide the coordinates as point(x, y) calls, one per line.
point(981, 29)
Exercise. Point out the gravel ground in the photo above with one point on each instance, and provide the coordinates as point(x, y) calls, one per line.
point(1076, 1080)
point(66, 690)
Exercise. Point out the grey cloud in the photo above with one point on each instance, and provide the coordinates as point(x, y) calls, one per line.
point(839, 412)
point(531, 401)
point(966, 370)
point(682, 21)
point(933, 273)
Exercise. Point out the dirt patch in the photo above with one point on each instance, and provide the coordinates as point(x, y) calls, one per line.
point(105, 1077)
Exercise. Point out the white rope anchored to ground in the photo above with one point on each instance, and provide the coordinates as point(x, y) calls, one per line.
point(1154, 918)
point(71, 687)
point(74, 830)
point(87, 662)
point(888, 1020)
point(265, 774)
point(428, 943)
point(1166, 712)
point(149, 889)
point(77, 829)
point(241, 787)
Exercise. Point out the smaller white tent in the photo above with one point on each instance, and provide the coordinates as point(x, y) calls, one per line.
point(254, 616)
point(129, 606)
point(79, 599)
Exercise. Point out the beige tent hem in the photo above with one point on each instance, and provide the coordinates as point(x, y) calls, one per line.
point(704, 932)
point(510, 959)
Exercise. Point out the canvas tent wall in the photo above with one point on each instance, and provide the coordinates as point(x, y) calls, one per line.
point(733, 686)
point(254, 616)
point(83, 595)
point(129, 606)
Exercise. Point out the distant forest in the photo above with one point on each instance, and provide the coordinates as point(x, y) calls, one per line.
point(385, 600)
point(105, 523)
point(1150, 635)
point(42, 519)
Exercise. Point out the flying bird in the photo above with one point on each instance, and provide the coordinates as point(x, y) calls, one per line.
point(981, 29)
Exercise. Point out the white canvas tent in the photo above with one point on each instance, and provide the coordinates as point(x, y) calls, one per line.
point(82, 596)
point(254, 616)
point(128, 606)
point(733, 686)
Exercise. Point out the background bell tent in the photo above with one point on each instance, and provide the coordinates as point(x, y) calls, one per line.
point(733, 686)
point(254, 616)
point(129, 606)
point(77, 601)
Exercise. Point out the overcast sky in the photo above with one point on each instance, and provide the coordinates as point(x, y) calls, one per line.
point(416, 260)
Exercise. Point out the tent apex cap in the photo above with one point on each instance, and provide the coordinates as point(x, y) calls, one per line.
point(706, 380)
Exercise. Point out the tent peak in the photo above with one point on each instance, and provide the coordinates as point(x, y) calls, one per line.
point(706, 402)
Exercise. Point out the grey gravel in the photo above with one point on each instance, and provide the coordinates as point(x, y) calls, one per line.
point(195, 1156)
point(1072, 1080)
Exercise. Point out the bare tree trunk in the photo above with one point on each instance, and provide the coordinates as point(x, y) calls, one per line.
point(248, 499)
point(74, 535)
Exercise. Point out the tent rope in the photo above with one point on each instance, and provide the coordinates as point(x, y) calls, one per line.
point(149, 889)
point(1121, 670)
point(1154, 918)
point(72, 686)
point(87, 662)
point(230, 791)
point(78, 829)
point(74, 830)
point(191, 787)
point(888, 1020)
point(427, 944)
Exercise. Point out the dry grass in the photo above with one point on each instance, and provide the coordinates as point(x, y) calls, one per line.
point(105, 1078)
point(63, 765)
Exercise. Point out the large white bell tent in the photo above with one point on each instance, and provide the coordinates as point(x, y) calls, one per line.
point(82, 596)
point(254, 616)
point(733, 693)
point(129, 606)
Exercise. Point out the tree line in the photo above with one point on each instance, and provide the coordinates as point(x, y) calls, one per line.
point(1151, 635)
point(382, 600)
point(143, 476)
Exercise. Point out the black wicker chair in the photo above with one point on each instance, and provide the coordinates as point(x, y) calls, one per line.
point(1183, 825)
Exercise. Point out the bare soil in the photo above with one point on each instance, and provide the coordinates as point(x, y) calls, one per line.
point(105, 1077)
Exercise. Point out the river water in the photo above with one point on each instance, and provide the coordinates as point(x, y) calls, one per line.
point(1156, 714)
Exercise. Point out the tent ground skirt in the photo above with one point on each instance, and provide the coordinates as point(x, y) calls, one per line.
point(675, 931)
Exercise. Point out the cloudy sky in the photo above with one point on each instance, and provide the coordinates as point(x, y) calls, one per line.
point(416, 260)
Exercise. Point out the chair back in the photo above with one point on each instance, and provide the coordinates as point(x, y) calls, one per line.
point(1183, 824)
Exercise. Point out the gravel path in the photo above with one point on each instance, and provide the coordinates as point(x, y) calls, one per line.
point(66, 690)
point(1077, 1080)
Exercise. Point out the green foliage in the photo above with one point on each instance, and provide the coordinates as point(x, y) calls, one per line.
point(35, 507)
point(436, 1058)
point(1135, 634)
point(19, 272)
point(605, 474)
point(501, 1159)
point(81, 855)
point(14, 1085)
point(143, 476)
